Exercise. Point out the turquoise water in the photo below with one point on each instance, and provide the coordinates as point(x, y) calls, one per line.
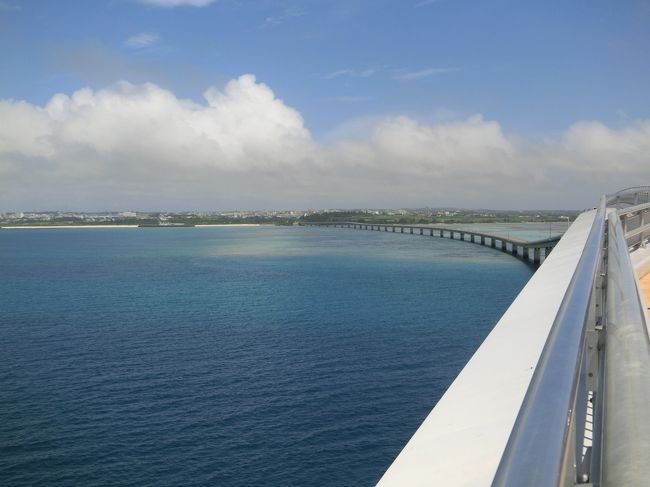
point(231, 356)
point(522, 231)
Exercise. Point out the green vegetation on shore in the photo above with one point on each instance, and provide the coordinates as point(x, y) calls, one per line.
point(406, 217)
point(442, 217)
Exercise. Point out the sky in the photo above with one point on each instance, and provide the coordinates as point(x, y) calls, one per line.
point(273, 104)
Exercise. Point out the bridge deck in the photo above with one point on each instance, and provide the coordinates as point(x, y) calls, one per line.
point(645, 289)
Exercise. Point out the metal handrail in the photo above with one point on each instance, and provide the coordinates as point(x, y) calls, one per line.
point(626, 425)
point(629, 197)
point(541, 443)
point(635, 222)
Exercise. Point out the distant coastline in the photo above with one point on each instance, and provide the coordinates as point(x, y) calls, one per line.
point(40, 227)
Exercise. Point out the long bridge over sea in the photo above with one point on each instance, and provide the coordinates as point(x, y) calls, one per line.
point(558, 394)
point(533, 252)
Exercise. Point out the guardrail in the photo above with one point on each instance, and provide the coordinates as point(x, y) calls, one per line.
point(626, 423)
point(584, 418)
point(581, 416)
point(547, 441)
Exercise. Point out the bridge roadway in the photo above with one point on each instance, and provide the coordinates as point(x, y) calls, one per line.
point(533, 252)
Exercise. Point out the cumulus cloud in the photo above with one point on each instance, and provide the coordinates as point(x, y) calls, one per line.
point(177, 3)
point(140, 146)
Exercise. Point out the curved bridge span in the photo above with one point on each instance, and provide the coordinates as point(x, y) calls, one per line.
point(532, 252)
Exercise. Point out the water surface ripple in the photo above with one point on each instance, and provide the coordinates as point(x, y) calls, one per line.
point(231, 356)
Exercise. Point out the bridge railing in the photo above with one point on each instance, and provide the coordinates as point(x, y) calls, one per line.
point(547, 445)
point(629, 197)
point(626, 424)
point(584, 418)
point(635, 223)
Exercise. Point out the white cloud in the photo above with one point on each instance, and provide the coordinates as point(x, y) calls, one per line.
point(425, 73)
point(140, 146)
point(338, 73)
point(287, 14)
point(144, 39)
point(353, 73)
point(177, 3)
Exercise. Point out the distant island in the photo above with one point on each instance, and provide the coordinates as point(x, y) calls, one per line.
point(283, 217)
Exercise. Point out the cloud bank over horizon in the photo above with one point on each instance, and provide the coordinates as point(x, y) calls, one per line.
point(141, 147)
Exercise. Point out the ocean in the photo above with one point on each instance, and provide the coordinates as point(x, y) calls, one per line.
point(231, 356)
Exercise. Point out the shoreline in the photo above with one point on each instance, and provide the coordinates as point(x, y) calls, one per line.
point(58, 227)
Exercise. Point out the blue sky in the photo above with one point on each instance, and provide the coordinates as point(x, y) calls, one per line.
point(535, 68)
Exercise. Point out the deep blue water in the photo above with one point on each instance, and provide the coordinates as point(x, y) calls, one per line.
point(231, 356)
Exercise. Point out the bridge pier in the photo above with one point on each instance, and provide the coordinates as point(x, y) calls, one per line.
point(540, 249)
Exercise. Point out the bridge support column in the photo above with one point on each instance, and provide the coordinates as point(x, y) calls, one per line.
point(537, 257)
point(503, 245)
point(493, 243)
point(411, 230)
point(513, 249)
point(421, 231)
point(462, 236)
point(547, 252)
point(526, 255)
point(442, 233)
point(471, 237)
point(431, 232)
point(393, 229)
point(402, 229)
point(482, 240)
point(385, 228)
